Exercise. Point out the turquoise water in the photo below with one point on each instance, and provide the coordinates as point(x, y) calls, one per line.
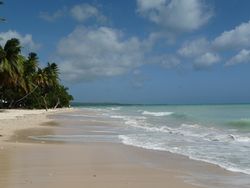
point(218, 134)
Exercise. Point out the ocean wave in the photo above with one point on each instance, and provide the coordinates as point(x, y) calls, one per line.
point(129, 141)
point(125, 139)
point(211, 134)
point(114, 108)
point(157, 114)
point(127, 118)
point(241, 123)
point(189, 130)
point(82, 115)
point(117, 117)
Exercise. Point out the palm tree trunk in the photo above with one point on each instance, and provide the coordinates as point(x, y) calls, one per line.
point(45, 103)
point(19, 100)
point(58, 102)
point(11, 103)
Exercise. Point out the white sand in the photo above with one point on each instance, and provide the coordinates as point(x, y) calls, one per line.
point(13, 120)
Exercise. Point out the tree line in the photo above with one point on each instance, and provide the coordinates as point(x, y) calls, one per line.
point(23, 84)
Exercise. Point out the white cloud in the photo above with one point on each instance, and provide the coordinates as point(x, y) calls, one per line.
point(242, 57)
point(204, 53)
point(79, 12)
point(167, 61)
point(206, 60)
point(237, 38)
point(83, 12)
point(194, 48)
point(176, 15)
point(25, 40)
point(200, 53)
point(54, 16)
point(89, 53)
point(145, 5)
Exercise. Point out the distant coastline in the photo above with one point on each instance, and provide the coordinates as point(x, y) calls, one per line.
point(77, 104)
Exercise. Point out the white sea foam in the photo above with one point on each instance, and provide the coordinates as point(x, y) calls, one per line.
point(157, 114)
point(128, 141)
point(223, 163)
point(241, 138)
point(117, 117)
point(83, 115)
point(115, 108)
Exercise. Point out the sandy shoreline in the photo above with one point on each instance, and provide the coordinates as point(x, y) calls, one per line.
point(38, 164)
point(14, 120)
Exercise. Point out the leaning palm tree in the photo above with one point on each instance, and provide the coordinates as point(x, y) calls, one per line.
point(43, 82)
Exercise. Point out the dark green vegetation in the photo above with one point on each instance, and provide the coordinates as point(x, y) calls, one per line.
point(23, 84)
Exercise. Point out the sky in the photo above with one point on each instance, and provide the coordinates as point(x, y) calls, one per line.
point(139, 51)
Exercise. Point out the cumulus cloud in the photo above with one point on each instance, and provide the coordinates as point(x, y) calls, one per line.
point(90, 53)
point(176, 15)
point(84, 11)
point(145, 5)
point(25, 40)
point(206, 60)
point(204, 53)
point(239, 37)
point(194, 48)
point(166, 61)
point(200, 52)
point(242, 57)
point(79, 12)
point(51, 17)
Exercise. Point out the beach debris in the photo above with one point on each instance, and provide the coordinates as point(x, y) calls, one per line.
point(1, 135)
point(94, 176)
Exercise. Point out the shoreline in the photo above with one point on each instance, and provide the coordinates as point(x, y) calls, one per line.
point(161, 165)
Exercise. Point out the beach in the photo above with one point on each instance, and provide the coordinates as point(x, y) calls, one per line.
point(30, 158)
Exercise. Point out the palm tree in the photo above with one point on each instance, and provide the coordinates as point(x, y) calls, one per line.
point(11, 66)
point(21, 78)
point(30, 67)
point(52, 73)
point(48, 79)
point(11, 62)
point(43, 82)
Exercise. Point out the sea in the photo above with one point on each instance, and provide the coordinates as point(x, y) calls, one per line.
point(217, 134)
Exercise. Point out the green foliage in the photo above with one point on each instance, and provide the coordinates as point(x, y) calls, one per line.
point(23, 84)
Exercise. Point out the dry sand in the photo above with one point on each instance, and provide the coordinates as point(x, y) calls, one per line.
point(25, 164)
point(14, 120)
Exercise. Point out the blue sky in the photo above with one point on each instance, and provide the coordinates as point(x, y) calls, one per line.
point(139, 51)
